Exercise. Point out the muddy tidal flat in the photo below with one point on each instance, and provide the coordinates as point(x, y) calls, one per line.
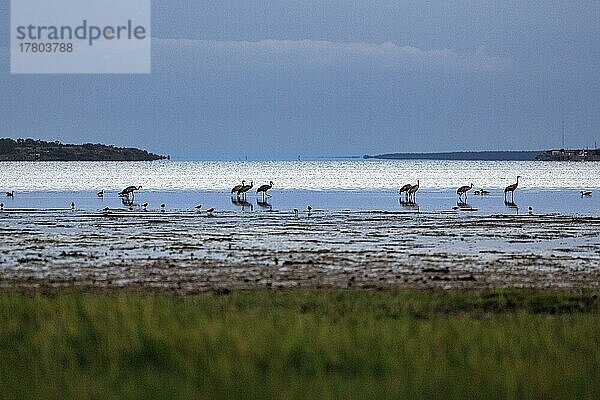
point(189, 252)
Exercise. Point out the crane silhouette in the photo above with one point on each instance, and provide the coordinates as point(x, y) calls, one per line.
point(412, 192)
point(245, 189)
point(263, 189)
point(511, 189)
point(129, 190)
point(237, 188)
point(404, 189)
point(463, 191)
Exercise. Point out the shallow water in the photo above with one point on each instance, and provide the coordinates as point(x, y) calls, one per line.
point(542, 201)
point(547, 187)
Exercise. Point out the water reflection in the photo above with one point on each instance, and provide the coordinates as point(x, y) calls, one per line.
point(409, 204)
point(128, 202)
point(543, 201)
point(464, 206)
point(512, 205)
point(242, 203)
point(264, 204)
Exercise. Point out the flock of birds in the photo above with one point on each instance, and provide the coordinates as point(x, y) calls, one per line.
point(241, 190)
point(409, 191)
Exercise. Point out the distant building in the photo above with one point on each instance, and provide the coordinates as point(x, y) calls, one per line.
point(570, 155)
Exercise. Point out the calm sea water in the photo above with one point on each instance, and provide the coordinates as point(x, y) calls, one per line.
point(355, 184)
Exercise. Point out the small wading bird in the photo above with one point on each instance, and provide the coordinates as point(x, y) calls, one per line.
point(296, 212)
point(1, 206)
point(198, 207)
point(404, 189)
point(586, 193)
point(162, 207)
point(100, 193)
point(210, 211)
point(245, 189)
point(511, 189)
point(10, 194)
point(463, 190)
point(72, 206)
point(237, 188)
point(129, 190)
point(145, 206)
point(412, 192)
point(263, 189)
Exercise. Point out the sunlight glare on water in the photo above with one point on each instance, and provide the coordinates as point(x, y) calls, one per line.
point(306, 175)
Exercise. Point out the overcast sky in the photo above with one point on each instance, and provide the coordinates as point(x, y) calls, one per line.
point(278, 79)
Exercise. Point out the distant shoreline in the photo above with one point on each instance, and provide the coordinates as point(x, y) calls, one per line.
point(461, 156)
point(39, 150)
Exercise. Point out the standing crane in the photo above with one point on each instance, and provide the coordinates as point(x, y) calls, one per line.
point(245, 189)
point(411, 193)
point(463, 190)
point(263, 189)
point(237, 188)
point(511, 189)
point(404, 189)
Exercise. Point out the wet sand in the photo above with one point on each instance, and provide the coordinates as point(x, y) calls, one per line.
point(188, 252)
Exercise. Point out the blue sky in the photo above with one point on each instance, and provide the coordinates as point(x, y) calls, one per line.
point(320, 78)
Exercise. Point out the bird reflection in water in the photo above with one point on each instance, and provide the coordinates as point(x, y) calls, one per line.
point(512, 205)
point(242, 202)
point(410, 204)
point(128, 201)
point(265, 205)
point(463, 206)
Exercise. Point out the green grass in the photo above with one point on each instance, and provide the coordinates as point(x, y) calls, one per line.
point(301, 344)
